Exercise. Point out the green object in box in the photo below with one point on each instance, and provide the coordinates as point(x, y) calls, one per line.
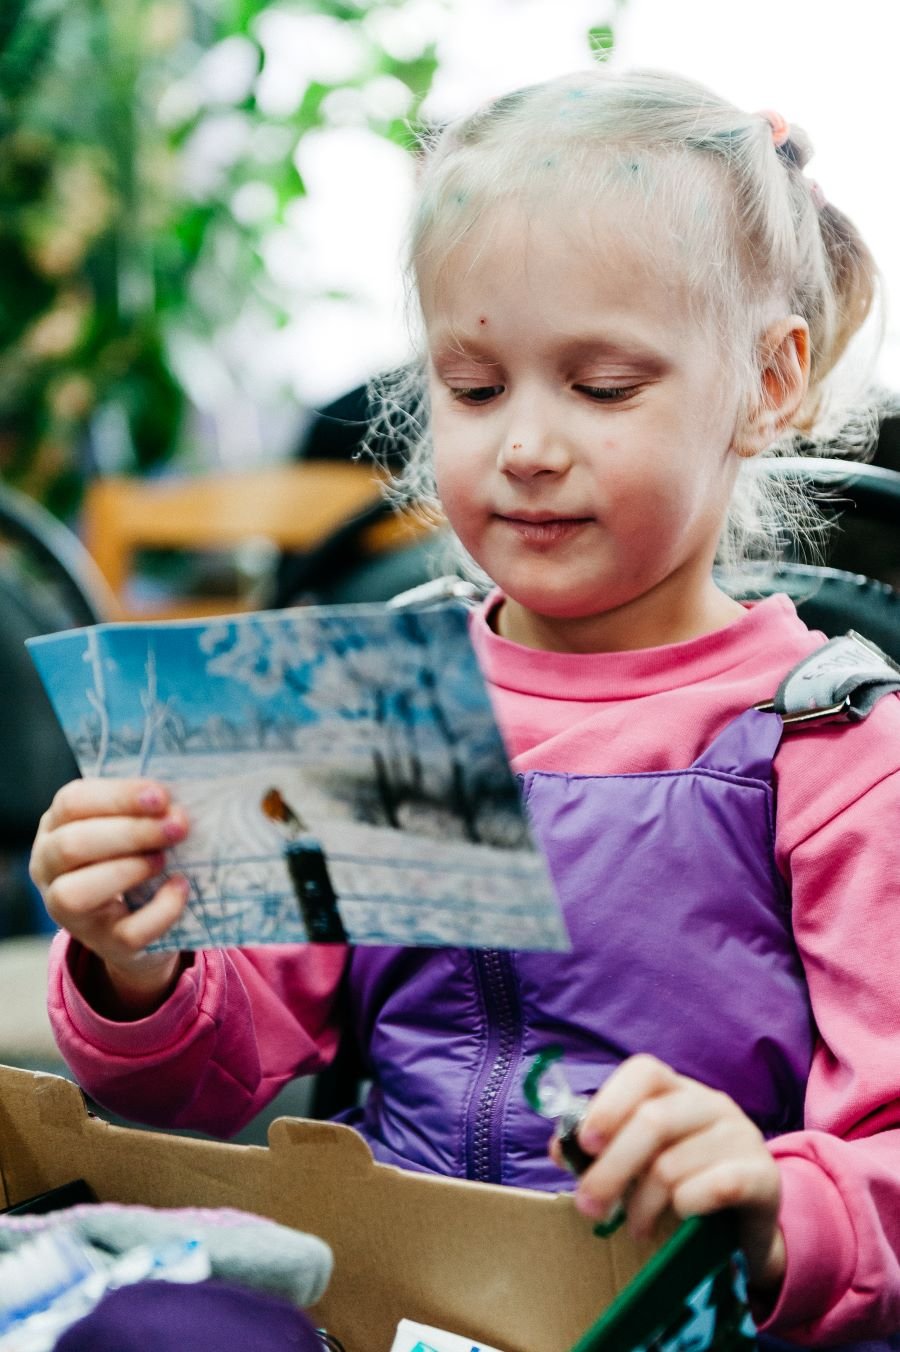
point(692, 1294)
point(690, 1297)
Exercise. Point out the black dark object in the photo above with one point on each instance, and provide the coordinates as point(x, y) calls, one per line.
point(330, 1342)
point(342, 430)
point(575, 1156)
point(303, 577)
point(339, 570)
point(836, 601)
point(661, 1302)
point(860, 587)
point(55, 1199)
point(47, 582)
point(314, 891)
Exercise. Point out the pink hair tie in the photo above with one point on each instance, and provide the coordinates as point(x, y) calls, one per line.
point(780, 129)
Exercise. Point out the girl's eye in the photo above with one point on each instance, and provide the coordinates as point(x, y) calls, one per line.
point(477, 394)
point(608, 394)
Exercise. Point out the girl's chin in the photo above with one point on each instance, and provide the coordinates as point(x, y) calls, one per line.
point(543, 609)
point(561, 602)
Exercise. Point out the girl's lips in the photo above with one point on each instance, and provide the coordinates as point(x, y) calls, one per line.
point(546, 531)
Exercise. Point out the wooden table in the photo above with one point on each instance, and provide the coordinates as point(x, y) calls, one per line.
point(294, 507)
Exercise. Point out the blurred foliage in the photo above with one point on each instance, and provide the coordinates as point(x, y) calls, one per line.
point(601, 40)
point(104, 247)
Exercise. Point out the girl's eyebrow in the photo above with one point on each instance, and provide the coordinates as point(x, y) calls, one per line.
point(587, 346)
point(446, 349)
point(600, 347)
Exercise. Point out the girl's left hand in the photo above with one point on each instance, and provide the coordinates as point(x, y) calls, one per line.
point(671, 1142)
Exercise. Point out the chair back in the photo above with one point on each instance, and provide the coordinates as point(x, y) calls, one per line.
point(860, 586)
point(47, 582)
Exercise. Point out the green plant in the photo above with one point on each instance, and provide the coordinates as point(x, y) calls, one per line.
point(78, 340)
point(104, 253)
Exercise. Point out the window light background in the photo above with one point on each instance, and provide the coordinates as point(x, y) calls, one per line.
point(828, 66)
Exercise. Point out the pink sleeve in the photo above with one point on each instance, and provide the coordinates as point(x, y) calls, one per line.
point(841, 1174)
point(239, 1024)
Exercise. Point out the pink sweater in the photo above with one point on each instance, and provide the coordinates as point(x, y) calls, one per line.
point(241, 1023)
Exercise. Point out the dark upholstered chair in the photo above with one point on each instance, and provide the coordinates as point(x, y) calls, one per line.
point(860, 586)
point(47, 582)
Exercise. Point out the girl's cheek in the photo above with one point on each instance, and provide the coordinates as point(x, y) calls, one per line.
point(449, 478)
point(459, 508)
point(462, 478)
point(454, 506)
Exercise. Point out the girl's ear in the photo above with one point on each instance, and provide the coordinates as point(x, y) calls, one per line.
point(783, 381)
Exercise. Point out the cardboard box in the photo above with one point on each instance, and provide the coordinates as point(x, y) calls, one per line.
point(519, 1270)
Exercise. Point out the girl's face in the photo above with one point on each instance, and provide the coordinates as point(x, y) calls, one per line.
point(583, 423)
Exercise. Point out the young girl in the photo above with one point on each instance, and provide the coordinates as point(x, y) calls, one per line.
point(631, 293)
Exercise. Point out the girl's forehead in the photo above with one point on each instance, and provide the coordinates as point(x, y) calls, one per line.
point(558, 259)
point(666, 218)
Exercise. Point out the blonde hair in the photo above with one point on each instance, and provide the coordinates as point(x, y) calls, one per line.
point(754, 236)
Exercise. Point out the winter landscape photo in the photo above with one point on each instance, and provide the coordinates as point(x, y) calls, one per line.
point(341, 767)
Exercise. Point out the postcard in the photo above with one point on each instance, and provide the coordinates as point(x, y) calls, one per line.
point(341, 767)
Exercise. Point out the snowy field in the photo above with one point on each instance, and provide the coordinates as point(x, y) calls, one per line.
point(418, 885)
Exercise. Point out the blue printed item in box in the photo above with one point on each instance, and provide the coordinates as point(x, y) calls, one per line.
point(412, 1337)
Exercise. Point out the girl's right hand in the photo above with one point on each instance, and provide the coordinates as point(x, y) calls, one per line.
point(98, 838)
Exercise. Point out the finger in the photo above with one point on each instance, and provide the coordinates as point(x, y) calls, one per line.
point(653, 1125)
point(75, 898)
point(75, 844)
point(646, 1203)
point(728, 1135)
point(94, 797)
point(638, 1078)
point(653, 1193)
point(736, 1182)
point(142, 927)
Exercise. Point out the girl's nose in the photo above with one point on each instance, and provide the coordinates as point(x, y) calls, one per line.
point(525, 456)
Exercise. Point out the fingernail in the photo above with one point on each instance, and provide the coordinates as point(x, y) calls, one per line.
point(174, 829)
point(589, 1206)
point(151, 799)
point(156, 860)
point(182, 884)
point(607, 1217)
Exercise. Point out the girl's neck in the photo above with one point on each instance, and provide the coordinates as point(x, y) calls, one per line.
point(657, 623)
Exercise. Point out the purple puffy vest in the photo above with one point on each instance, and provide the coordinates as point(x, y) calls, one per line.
point(681, 946)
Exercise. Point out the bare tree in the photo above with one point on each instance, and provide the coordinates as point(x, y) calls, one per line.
point(156, 711)
point(97, 698)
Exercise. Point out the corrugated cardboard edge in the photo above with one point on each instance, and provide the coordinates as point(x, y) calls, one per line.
point(520, 1270)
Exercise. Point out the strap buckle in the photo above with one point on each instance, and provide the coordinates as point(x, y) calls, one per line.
point(833, 713)
point(841, 681)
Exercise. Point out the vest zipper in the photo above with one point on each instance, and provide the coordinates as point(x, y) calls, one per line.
point(496, 976)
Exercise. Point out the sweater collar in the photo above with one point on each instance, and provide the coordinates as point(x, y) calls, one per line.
point(618, 675)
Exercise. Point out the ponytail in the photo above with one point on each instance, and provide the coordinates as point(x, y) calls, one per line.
point(854, 278)
point(850, 277)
